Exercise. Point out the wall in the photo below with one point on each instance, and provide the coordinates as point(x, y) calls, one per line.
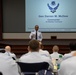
point(45, 35)
point(0, 19)
point(14, 22)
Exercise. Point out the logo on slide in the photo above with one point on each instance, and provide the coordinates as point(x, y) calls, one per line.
point(53, 6)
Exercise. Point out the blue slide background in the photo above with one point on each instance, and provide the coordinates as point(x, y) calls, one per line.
point(62, 20)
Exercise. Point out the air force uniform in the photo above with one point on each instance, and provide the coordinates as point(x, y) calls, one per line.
point(7, 65)
point(68, 67)
point(35, 57)
point(44, 52)
point(68, 55)
point(33, 35)
point(11, 55)
point(55, 55)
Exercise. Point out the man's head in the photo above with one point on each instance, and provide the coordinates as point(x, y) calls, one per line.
point(8, 48)
point(33, 46)
point(55, 48)
point(36, 27)
point(72, 46)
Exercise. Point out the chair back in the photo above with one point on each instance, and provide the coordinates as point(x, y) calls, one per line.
point(1, 73)
point(33, 67)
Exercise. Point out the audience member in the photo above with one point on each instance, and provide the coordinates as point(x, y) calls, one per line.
point(55, 54)
point(68, 66)
point(34, 56)
point(72, 51)
point(9, 53)
point(7, 65)
point(36, 34)
point(41, 51)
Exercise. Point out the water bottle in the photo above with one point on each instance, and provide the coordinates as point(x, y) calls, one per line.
point(60, 58)
point(55, 64)
point(59, 61)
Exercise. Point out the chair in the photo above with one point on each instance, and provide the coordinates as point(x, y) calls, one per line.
point(1, 73)
point(32, 68)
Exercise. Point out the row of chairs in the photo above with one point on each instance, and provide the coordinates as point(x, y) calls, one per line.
point(34, 68)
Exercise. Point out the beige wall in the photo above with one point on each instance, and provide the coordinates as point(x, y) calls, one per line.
point(45, 35)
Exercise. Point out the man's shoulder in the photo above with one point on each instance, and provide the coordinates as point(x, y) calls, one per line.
point(5, 57)
point(25, 55)
point(51, 54)
point(45, 51)
point(67, 55)
point(12, 53)
point(32, 31)
point(60, 54)
point(69, 60)
point(39, 31)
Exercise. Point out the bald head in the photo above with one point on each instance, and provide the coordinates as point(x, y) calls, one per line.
point(8, 48)
point(55, 48)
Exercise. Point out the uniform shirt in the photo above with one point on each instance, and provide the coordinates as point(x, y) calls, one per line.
point(35, 57)
point(11, 55)
point(55, 55)
point(44, 52)
point(68, 67)
point(7, 65)
point(39, 35)
point(68, 55)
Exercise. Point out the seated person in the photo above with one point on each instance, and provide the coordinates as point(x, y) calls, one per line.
point(41, 51)
point(72, 51)
point(55, 54)
point(56, 57)
point(7, 65)
point(9, 53)
point(68, 67)
point(34, 56)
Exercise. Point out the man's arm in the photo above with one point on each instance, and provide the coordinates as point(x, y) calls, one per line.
point(40, 36)
point(31, 36)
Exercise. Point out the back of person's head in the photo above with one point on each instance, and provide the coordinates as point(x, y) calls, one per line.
point(8, 48)
point(34, 45)
point(55, 48)
point(72, 46)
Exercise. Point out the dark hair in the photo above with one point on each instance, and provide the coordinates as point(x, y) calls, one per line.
point(34, 45)
point(72, 46)
point(37, 26)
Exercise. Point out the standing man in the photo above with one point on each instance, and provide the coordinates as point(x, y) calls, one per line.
point(36, 34)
